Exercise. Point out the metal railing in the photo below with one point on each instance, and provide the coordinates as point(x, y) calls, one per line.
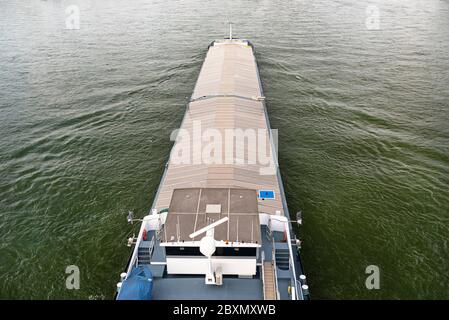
point(151, 247)
point(300, 293)
point(263, 274)
point(273, 258)
point(292, 266)
point(268, 233)
point(290, 254)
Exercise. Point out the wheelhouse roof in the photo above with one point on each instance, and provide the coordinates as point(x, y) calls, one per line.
point(189, 211)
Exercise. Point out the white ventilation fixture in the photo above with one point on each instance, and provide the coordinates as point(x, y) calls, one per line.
point(213, 208)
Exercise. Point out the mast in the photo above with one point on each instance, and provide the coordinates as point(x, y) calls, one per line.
point(230, 30)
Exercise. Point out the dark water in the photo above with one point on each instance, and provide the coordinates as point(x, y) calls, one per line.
point(363, 119)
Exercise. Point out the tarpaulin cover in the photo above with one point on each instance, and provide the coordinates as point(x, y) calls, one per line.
point(138, 285)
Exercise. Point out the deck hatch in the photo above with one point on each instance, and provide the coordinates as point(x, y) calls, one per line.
point(194, 208)
point(213, 208)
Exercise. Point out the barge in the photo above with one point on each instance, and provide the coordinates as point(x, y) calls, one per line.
point(219, 226)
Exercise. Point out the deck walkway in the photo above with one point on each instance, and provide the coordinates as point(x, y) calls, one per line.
point(269, 284)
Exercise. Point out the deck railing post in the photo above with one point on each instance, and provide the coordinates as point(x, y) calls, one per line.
point(273, 258)
point(263, 275)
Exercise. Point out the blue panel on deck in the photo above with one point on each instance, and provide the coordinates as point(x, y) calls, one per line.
point(266, 194)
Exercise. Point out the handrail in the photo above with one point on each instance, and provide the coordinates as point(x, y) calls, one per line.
point(290, 251)
point(135, 256)
point(263, 275)
point(151, 247)
point(291, 258)
point(268, 233)
point(273, 258)
point(300, 291)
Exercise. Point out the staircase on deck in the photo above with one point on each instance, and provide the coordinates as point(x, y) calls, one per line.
point(269, 284)
point(145, 250)
point(143, 256)
point(282, 259)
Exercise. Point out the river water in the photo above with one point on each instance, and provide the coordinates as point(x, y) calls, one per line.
point(359, 91)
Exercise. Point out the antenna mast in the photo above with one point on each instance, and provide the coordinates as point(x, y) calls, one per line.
point(230, 30)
